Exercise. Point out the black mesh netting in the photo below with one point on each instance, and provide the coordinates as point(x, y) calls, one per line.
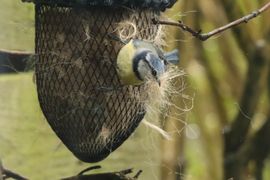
point(160, 5)
point(78, 87)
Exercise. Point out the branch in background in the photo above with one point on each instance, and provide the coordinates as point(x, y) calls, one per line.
point(120, 175)
point(260, 147)
point(204, 36)
point(5, 174)
point(89, 169)
point(268, 82)
point(255, 82)
point(257, 149)
point(15, 61)
point(237, 153)
point(217, 93)
point(28, 0)
point(1, 170)
point(9, 174)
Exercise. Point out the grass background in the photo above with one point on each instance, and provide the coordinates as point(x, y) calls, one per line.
point(16, 25)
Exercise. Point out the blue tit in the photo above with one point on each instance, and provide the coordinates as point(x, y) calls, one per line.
point(138, 61)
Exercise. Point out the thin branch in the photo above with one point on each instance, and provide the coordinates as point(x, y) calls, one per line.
point(204, 36)
point(10, 174)
point(138, 174)
point(5, 174)
point(89, 169)
point(14, 52)
point(28, 1)
point(1, 170)
point(120, 175)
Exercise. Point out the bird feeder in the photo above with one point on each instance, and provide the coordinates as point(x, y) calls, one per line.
point(78, 88)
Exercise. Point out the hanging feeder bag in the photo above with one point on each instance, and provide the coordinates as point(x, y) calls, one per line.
point(78, 88)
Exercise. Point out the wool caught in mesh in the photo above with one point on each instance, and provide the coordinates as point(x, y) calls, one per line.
point(78, 88)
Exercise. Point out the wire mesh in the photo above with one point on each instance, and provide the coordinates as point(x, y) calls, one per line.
point(78, 88)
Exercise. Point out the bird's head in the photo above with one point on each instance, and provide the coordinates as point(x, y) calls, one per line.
point(148, 65)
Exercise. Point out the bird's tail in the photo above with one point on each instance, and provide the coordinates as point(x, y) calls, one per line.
point(172, 57)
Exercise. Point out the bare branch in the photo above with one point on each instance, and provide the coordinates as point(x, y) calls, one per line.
point(204, 36)
point(121, 175)
point(89, 169)
point(9, 174)
point(1, 170)
point(5, 173)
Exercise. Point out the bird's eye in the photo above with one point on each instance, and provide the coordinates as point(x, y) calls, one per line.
point(154, 72)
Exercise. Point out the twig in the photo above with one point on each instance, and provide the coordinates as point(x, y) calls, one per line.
point(137, 174)
point(204, 36)
point(9, 174)
point(28, 1)
point(14, 52)
point(120, 175)
point(5, 174)
point(89, 169)
point(1, 170)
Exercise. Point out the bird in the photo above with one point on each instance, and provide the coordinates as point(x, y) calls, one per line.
point(139, 61)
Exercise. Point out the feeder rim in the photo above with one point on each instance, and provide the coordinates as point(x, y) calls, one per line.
point(160, 5)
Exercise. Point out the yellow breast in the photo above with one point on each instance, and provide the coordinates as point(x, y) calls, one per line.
point(125, 67)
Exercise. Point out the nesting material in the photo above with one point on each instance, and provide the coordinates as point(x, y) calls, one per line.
point(159, 97)
point(127, 30)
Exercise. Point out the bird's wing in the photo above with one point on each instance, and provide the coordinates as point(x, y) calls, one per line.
point(172, 57)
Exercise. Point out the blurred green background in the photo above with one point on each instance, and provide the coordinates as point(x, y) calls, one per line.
point(217, 74)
